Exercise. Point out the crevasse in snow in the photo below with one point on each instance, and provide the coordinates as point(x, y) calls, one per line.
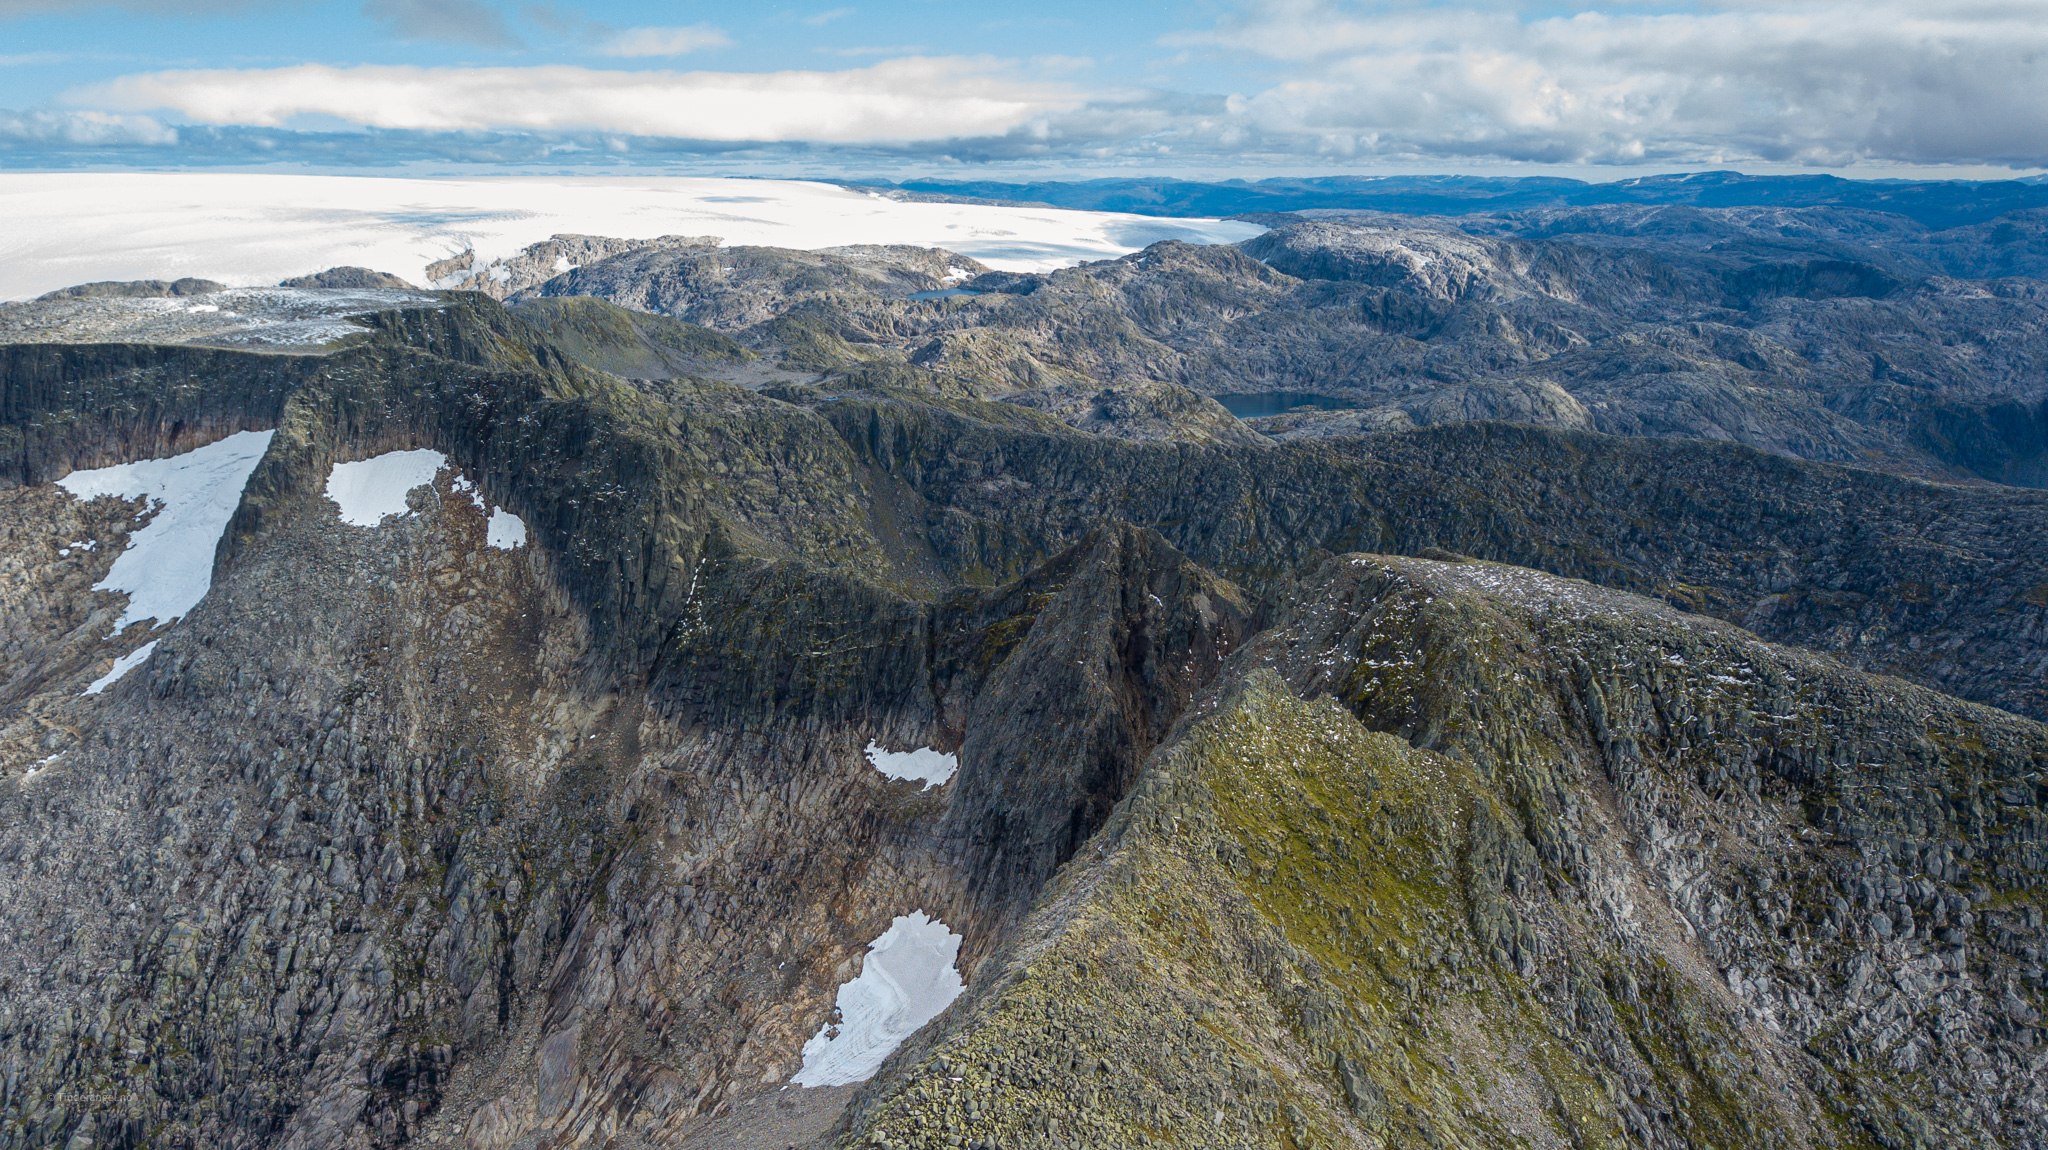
point(369, 491)
point(924, 763)
point(168, 565)
point(908, 978)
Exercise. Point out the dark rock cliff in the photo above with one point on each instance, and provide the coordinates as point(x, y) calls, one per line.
point(405, 838)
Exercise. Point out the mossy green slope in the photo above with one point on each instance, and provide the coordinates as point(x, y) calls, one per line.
point(627, 343)
point(1534, 907)
point(1276, 947)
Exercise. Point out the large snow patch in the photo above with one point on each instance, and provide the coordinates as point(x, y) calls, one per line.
point(372, 490)
point(907, 980)
point(249, 229)
point(924, 763)
point(168, 565)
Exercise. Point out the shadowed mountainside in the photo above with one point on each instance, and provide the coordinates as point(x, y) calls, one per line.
point(1262, 835)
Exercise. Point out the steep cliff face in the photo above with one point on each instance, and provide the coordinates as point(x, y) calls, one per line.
point(68, 407)
point(415, 832)
point(1937, 583)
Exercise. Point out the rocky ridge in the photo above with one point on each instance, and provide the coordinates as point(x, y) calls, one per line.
point(1262, 835)
point(1822, 333)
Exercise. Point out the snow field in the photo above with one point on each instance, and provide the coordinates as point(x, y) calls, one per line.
point(908, 978)
point(505, 530)
point(122, 666)
point(369, 491)
point(924, 764)
point(248, 230)
point(167, 567)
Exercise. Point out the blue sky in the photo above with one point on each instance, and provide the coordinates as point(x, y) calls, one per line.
point(49, 47)
point(974, 87)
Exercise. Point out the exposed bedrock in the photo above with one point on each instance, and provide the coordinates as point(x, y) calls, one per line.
point(397, 836)
point(1942, 584)
point(1814, 333)
point(1254, 840)
point(1459, 854)
point(347, 277)
point(401, 853)
point(68, 407)
point(136, 289)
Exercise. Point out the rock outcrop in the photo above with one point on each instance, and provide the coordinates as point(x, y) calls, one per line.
point(1418, 788)
point(1147, 411)
point(1460, 854)
point(347, 277)
point(1814, 332)
point(136, 289)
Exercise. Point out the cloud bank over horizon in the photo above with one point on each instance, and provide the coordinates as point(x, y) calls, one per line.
point(884, 102)
point(1329, 83)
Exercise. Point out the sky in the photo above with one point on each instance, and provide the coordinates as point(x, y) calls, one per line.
point(979, 88)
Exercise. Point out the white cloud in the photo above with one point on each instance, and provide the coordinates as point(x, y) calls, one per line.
point(896, 100)
point(663, 41)
point(820, 19)
point(1826, 83)
point(1800, 81)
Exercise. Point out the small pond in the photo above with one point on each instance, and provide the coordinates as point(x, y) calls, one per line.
point(1276, 402)
point(942, 293)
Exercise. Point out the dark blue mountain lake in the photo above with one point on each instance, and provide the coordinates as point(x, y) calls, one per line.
point(1275, 402)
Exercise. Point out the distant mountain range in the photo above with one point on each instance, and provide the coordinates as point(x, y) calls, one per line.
point(1935, 203)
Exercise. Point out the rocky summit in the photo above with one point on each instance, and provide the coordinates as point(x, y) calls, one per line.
point(1561, 679)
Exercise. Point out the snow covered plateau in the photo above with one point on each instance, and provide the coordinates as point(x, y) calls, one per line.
point(254, 230)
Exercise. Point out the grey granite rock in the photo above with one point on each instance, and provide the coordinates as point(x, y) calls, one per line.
point(403, 838)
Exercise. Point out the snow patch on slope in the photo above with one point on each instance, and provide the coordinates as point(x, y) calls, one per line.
point(924, 763)
point(122, 666)
point(505, 530)
point(369, 491)
point(908, 978)
point(168, 566)
point(461, 485)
